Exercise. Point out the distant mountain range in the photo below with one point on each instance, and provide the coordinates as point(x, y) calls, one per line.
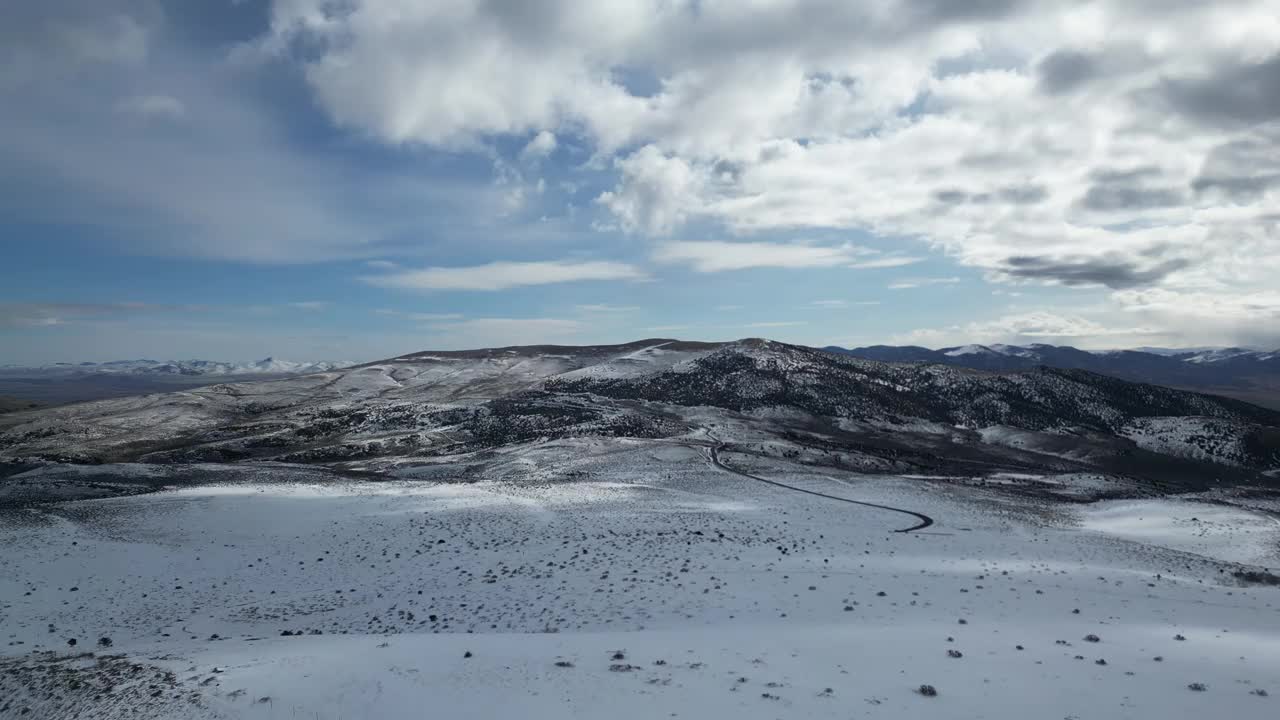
point(59, 383)
point(1244, 373)
point(266, 366)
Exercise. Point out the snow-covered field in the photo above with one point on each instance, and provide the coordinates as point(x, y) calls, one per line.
point(635, 580)
point(1225, 533)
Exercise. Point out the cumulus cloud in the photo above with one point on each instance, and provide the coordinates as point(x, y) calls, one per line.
point(989, 130)
point(656, 191)
point(504, 275)
point(542, 145)
point(1122, 145)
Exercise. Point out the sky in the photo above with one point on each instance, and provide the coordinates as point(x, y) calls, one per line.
point(356, 179)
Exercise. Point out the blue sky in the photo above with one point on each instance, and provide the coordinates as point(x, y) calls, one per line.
point(320, 180)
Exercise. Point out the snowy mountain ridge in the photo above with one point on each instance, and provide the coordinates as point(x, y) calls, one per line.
point(441, 404)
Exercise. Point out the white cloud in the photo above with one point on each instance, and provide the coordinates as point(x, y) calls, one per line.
point(504, 275)
point(715, 256)
point(542, 145)
point(1211, 317)
point(1114, 143)
point(1110, 143)
point(312, 305)
point(604, 308)
point(909, 283)
point(1031, 327)
point(656, 194)
point(891, 261)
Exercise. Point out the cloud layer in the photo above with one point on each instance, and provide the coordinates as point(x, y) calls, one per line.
point(1108, 144)
point(1122, 151)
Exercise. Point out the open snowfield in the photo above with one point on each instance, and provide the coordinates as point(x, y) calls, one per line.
point(639, 582)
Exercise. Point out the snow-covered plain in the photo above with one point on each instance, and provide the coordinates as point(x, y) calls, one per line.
point(628, 578)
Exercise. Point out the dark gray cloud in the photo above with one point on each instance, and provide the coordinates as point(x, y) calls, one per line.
point(1232, 95)
point(1119, 190)
point(1118, 198)
point(1024, 194)
point(961, 10)
point(1013, 194)
point(1242, 169)
point(1113, 271)
point(1065, 70)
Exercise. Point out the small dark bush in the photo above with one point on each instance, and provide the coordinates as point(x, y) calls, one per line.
point(927, 690)
point(1257, 577)
point(1092, 638)
point(1197, 687)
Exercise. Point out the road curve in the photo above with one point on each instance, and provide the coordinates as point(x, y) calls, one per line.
point(925, 520)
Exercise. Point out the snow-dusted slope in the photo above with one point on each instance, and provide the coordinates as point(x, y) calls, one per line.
point(628, 579)
point(428, 404)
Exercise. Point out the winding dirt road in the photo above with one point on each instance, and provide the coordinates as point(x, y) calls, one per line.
point(925, 520)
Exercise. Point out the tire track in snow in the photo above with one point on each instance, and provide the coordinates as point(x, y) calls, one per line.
point(925, 520)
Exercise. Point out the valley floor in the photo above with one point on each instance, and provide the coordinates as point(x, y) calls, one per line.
point(633, 579)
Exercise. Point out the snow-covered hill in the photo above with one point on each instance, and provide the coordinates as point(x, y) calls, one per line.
point(444, 403)
point(655, 529)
